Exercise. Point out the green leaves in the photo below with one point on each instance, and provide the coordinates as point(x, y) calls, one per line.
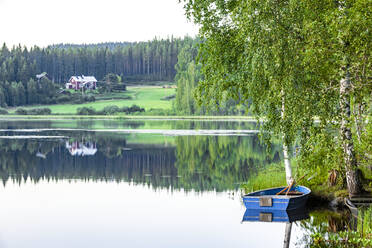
point(257, 49)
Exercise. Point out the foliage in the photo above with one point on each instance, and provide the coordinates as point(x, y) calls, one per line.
point(363, 147)
point(337, 229)
point(21, 111)
point(289, 59)
point(27, 92)
point(78, 98)
point(33, 111)
point(3, 111)
point(160, 112)
point(364, 222)
point(187, 78)
point(63, 99)
point(109, 110)
point(112, 78)
point(344, 239)
point(269, 176)
point(39, 111)
point(153, 60)
point(112, 82)
point(323, 153)
point(168, 98)
point(86, 111)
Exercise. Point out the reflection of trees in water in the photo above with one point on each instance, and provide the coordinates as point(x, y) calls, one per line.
point(112, 161)
point(323, 222)
point(215, 125)
point(79, 124)
point(197, 162)
point(219, 162)
point(34, 124)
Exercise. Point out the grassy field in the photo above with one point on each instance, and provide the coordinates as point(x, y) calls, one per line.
point(146, 97)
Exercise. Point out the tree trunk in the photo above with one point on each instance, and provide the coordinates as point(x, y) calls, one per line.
point(287, 235)
point(358, 120)
point(287, 162)
point(352, 176)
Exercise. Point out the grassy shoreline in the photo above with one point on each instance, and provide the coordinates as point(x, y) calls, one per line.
point(129, 117)
point(274, 176)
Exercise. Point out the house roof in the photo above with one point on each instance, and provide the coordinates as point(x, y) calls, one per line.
point(39, 76)
point(84, 79)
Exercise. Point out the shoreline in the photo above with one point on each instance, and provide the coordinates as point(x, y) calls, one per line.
point(127, 117)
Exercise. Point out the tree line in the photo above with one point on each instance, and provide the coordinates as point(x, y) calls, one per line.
point(141, 61)
point(153, 60)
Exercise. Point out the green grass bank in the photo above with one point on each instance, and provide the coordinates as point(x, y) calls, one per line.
point(147, 97)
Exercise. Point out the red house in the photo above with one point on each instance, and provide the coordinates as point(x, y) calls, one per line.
point(77, 82)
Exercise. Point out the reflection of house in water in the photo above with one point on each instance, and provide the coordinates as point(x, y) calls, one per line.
point(77, 148)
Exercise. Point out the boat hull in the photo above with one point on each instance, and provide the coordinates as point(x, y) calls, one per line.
point(268, 200)
point(274, 215)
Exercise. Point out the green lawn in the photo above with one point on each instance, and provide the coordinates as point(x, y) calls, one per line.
point(146, 97)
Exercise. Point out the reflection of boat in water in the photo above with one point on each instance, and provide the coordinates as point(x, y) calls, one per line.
point(270, 199)
point(252, 215)
point(284, 216)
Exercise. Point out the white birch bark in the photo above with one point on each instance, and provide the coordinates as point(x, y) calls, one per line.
point(287, 162)
point(287, 237)
point(352, 178)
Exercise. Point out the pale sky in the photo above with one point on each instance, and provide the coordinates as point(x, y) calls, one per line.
point(45, 22)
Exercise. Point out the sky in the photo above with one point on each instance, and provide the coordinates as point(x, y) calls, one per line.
point(46, 22)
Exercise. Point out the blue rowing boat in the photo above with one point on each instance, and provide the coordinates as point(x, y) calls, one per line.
point(268, 199)
point(275, 215)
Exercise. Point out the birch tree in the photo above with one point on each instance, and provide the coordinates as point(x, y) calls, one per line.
point(289, 58)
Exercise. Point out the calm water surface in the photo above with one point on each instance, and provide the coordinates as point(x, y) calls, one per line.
point(133, 184)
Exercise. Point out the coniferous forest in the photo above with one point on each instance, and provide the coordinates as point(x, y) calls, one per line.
point(140, 61)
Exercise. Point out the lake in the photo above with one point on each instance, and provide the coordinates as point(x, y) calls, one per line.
point(133, 183)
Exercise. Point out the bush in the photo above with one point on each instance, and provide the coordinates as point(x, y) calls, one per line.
point(89, 98)
point(168, 98)
point(163, 112)
point(21, 111)
point(86, 111)
point(110, 110)
point(63, 98)
point(35, 111)
point(3, 111)
point(135, 108)
point(78, 99)
point(124, 109)
point(39, 111)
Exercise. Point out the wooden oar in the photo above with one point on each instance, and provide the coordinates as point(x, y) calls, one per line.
point(286, 188)
point(282, 191)
point(301, 177)
point(290, 186)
